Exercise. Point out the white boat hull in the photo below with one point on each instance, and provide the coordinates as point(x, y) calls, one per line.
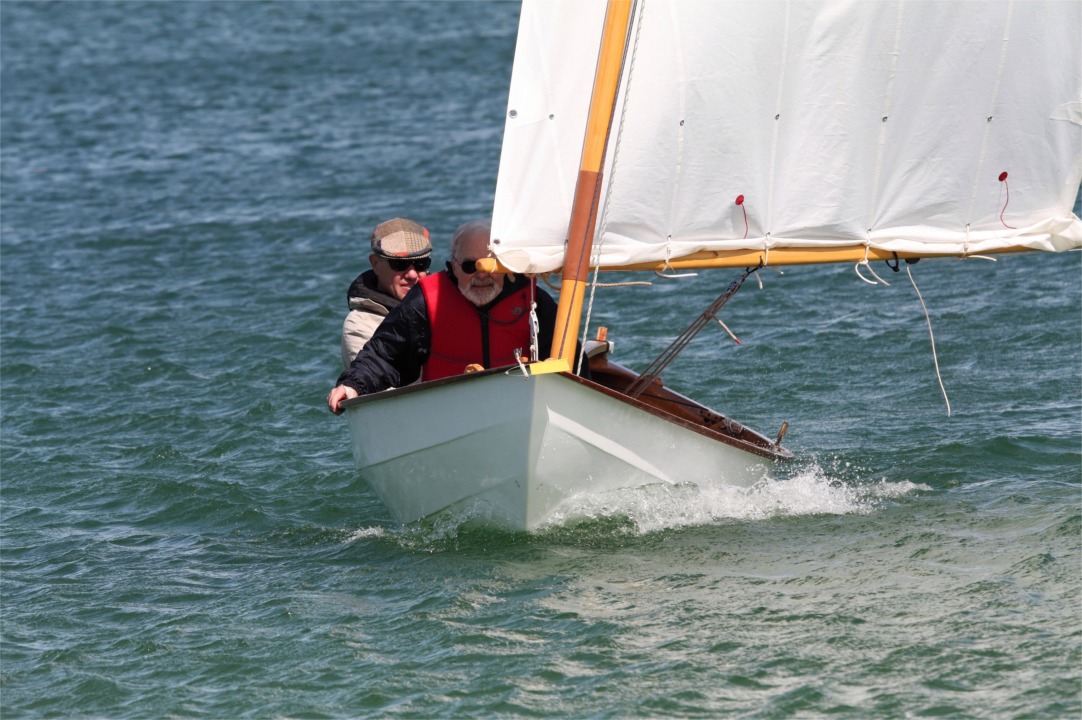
point(514, 450)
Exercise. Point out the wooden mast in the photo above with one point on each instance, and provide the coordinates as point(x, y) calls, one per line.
point(588, 187)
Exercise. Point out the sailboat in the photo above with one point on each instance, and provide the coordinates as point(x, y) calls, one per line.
point(669, 136)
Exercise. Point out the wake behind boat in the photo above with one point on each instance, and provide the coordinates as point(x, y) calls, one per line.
point(725, 135)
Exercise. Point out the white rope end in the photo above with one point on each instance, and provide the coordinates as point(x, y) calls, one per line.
point(931, 337)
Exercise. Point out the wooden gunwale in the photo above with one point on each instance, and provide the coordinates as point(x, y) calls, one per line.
point(678, 409)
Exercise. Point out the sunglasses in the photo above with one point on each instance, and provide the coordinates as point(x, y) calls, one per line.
point(403, 264)
point(468, 266)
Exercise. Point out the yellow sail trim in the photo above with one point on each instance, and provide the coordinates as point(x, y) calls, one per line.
point(794, 256)
point(777, 256)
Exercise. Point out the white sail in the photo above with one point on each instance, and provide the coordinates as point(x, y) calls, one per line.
point(884, 124)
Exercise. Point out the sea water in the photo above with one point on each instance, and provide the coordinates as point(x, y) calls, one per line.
point(187, 191)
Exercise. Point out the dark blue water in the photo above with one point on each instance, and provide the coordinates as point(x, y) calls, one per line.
point(186, 190)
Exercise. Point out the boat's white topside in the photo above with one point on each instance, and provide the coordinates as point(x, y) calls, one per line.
point(515, 449)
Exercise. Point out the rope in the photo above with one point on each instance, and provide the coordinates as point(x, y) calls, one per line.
point(535, 325)
point(672, 274)
point(931, 336)
point(651, 374)
point(589, 313)
point(612, 176)
point(865, 263)
point(629, 283)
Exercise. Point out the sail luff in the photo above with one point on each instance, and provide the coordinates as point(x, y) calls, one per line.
point(588, 188)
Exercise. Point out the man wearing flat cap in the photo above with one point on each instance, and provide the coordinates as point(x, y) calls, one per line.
point(401, 255)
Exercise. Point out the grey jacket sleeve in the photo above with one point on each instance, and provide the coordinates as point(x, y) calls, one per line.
point(357, 330)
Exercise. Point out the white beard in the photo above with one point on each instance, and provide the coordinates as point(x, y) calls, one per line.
point(481, 295)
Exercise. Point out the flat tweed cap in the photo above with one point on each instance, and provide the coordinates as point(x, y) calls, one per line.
point(400, 238)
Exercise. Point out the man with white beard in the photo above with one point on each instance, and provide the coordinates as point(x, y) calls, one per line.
point(452, 320)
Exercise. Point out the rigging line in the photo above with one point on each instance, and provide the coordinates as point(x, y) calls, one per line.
point(726, 329)
point(535, 325)
point(865, 263)
point(740, 203)
point(1006, 187)
point(604, 223)
point(629, 283)
point(931, 337)
point(653, 371)
point(521, 366)
point(672, 274)
point(545, 277)
point(965, 250)
point(626, 283)
point(589, 313)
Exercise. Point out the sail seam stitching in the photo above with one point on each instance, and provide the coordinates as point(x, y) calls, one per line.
point(888, 103)
point(1005, 43)
point(777, 124)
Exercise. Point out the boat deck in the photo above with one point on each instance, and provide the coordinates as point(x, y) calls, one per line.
point(661, 400)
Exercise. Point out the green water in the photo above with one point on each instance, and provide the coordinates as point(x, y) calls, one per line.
point(186, 193)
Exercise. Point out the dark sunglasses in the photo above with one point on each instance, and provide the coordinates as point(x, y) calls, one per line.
point(403, 264)
point(468, 266)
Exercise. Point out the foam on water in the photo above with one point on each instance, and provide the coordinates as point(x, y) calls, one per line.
point(810, 489)
point(365, 533)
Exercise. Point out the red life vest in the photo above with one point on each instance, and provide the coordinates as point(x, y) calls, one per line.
point(462, 334)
